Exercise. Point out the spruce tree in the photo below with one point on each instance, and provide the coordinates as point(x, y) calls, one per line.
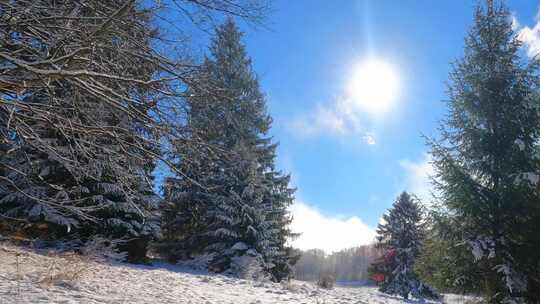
point(401, 236)
point(444, 262)
point(486, 161)
point(231, 202)
point(51, 199)
point(62, 177)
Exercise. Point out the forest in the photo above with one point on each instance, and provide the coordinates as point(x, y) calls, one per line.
point(347, 265)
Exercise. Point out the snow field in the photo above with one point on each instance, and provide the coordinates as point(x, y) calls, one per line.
point(28, 277)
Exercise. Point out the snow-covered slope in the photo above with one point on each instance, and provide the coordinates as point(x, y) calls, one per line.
point(27, 277)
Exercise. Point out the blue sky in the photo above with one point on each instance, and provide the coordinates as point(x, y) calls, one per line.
point(348, 163)
point(305, 60)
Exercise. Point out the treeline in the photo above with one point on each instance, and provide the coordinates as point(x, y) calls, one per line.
point(481, 236)
point(95, 94)
point(345, 265)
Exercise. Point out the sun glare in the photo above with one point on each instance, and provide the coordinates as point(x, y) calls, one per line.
point(374, 86)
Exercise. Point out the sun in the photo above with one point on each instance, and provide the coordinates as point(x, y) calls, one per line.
point(374, 86)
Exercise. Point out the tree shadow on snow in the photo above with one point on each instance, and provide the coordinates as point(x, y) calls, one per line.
point(161, 265)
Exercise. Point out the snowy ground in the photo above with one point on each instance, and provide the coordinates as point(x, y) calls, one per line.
point(27, 277)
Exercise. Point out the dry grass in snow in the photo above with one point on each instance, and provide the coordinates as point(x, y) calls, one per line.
point(29, 277)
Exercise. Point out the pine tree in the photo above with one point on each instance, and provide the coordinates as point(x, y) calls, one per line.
point(54, 200)
point(238, 205)
point(401, 236)
point(61, 178)
point(277, 197)
point(486, 161)
point(445, 263)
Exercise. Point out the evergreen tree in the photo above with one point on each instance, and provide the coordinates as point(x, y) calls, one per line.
point(237, 205)
point(61, 178)
point(51, 199)
point(486, 161)
point(277, 197)
point(400, 237)
point(445, 262)
point(87, 99)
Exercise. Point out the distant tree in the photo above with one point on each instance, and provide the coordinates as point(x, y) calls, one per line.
point(401, 236)
point(310, 265)
point(487, 160)
point(349, 264)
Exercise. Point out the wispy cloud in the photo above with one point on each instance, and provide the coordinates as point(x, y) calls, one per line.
point(371, 92)
point(369, 139)
point(418, 177)
point(321, 120)
point(329, 233)
point(529, 36)
point(338, 118)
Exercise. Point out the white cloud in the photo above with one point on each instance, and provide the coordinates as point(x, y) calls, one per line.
point(339, 118)
point(328, 233)
point(529, 36)
point(369, 139)
point(322, 119)
point(418, 176)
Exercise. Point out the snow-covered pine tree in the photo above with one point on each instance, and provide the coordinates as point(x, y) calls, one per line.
point(239, 206)
point(63, 177)
point(244, 198)
point(223, 219)
point(120, 187)
point(277, 197)
point(400, 236)
point(487, 162)
point(183, 220)
point(50, 198)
